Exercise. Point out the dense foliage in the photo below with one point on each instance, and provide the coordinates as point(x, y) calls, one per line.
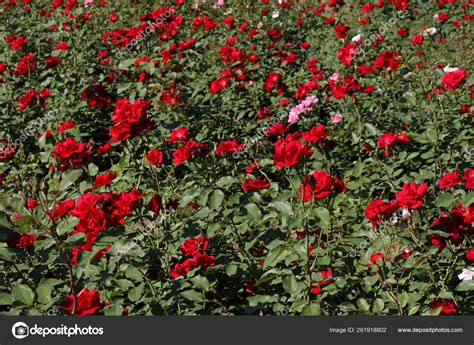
point(236, 157)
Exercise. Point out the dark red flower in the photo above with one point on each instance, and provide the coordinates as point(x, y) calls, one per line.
point(449, 180)
point(257, 184)
point(412, 195)
point(87, 303)
point(155, 157)
point(289, 153)
point(104, 179)
point(447, 306)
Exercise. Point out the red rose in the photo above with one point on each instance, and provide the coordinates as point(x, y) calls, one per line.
point(66, 125)
point(341, 31)
point(277, 130)
point(347, 53)
point(155, 203)
point(447, 306)
point(375, 257)
point(32, 204)
point(257, 184)
point(131, 119)
point(418, 39)
point(155, 157)
point(449, 180)
point(72, 153)
point(26, 100)
point(275, 33)
point(389, 140)
point(288, 153)
point(272, 81)
point(113, 17)
point(62, 46)
point(319, 185)
point(316, 135)
point(177, 135)
point(18, 240)
point(187, 151)
point(378, 210)
point(87, 303)
point(192, 246)
point(52, 61)
point(227, 146)
point(452, 80)
point(104, 149)
point(104, 179)
point(470, 254)
point(468, 178)
point(412, 195)
point(61, 209)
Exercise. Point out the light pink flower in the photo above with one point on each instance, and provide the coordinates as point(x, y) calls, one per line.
point(336, 118)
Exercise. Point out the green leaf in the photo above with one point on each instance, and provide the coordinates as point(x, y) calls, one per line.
point(311, 310)
point(444, 200)
point(363, 305)
point(45, 288)
point(275, 256)
point(283, 207)
point(69, 178)
point(23, 293)
point(253, 211)
point(467, 285)
point(133, 273)
point(226, 181)
point(6, 298)
point(292, 286)
point(67, 226)
point(324, 216)
point(216, 199)
point(403, 299)
point(378, 305)
point(135, 294)
point(124, 64)
point(192, 295)
point(201, 283)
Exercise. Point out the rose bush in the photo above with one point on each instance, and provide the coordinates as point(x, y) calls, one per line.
point(236, 157)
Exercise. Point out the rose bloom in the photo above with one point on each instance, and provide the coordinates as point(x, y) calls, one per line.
point(104, 179)
point(227, 146)
point(447, 307)
point(155, 203)
point(449, 180)
point(177, 135)
point(66, 125)
point(257, 184)
point(32, 204)
point(412, 195)
point(72, 152)
point(319, 185)
point(87, 303)
point(61, 210)
point(187, 151)
point(470, 254)
point(417, 40)
point(341, 31)
point(452, 80)
point(18, 240)
point(155, 157)
point(378, 210)
point(468, 178)
point(288, 153)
